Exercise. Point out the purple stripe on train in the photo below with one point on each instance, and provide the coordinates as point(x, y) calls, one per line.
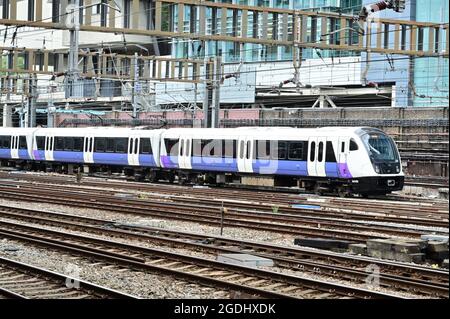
point(39, 155)
point(344, 172)
point(214, 164)
point(169, 161)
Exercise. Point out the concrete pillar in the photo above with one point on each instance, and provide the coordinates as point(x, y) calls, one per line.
point(7, 116)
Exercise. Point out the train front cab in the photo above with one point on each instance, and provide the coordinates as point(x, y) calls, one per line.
point(387, 175)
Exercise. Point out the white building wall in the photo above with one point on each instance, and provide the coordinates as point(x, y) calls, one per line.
point(58, 39)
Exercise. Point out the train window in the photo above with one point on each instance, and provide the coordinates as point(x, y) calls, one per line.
point(197, 147)
point(130, 147)
point(312, 155)
point(146, 146)
point(353, 145)
point(249, 149)
point(320, 156)
point(329, 154)
point(110, 145)
point(263, 149)
point(121, 145)
point(230, 148)
point(40, 143)
point(77, 144)
point(342, 147)
point(279, 150)
point(5, 142)
point(59, 145)
point(136, 146)
point(212, 148)
point(23, 142)
point(68, 144)
point(296, 151)
point(100, 144)
point(188, 147)
point(171, 146)
point(241, 148)
point(182, 145)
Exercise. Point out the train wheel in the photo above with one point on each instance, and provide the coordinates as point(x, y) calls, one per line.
point(152, 177)
point(317, 189)
point(171, 178)
point(342, 192)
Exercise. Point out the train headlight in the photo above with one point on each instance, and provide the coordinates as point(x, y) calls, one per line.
point(377, 169)
point(397, 169)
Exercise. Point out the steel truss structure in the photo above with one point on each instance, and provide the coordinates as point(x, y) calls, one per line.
point(269, 26)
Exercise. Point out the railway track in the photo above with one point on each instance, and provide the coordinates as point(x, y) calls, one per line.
point(281, 223)
point(397, 276)
point(348, 206)
point(22, 281)
point(259, 282)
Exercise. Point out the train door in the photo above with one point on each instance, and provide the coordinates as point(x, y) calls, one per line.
point(321, 151)
point(245, 155)
point(343, 149)
point(49, 147)
point(184, 153)
point(88, 149)
point(133, 150)
point(312, 156)
point(14, 146)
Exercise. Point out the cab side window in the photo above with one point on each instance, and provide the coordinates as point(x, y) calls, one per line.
point(353, 145)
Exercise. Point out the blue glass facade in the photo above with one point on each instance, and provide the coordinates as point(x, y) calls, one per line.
point(255, 52)
point(419, 81)
point(431, 74)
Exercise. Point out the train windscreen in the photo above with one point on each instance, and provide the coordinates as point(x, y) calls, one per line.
point(381, 147)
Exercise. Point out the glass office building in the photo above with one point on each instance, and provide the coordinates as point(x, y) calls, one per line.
point(431, 74)
point(233, 52)
point(418, 81)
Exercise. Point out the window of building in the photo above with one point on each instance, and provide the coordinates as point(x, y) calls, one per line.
point(5, 5)
point(55, 10)
point(30, 13)
point(127, 13)
point(103, 13)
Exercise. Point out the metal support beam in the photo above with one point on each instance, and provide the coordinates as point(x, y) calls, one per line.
point(163, 27)
point(215, 116)
point(31, 103)
point(135, 84)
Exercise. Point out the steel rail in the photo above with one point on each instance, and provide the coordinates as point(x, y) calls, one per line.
point(270, 283)
point(291, 258)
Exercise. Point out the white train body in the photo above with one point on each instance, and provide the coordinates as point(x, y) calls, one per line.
point(342, 159)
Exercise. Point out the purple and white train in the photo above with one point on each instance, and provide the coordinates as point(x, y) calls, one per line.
point(342, 160)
